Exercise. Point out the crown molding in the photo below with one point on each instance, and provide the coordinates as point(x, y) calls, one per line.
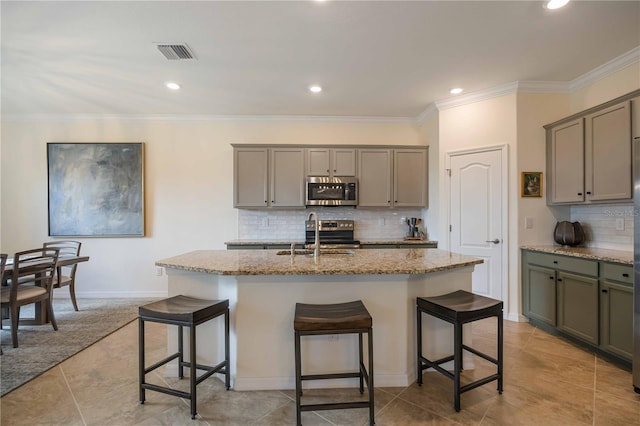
point(427, 113)
point(604, 70)
point(626, 59)
point(477, 96)
point(206, 118)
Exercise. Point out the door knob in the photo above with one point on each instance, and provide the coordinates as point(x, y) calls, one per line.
point(494, 241)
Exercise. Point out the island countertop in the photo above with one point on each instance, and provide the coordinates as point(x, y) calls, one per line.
point(361, 262)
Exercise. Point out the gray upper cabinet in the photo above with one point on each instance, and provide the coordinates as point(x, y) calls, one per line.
point(331, 162)
point(608, 154)
point(375, 168)
point(273, 176)
point(268, 177)
point(392, 177)
point(566, 148)
point(250, 177)
point(287, 177)
point(589, 155)
point(410, 178)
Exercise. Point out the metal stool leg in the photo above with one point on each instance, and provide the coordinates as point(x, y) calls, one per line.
point(360, 363)
point(181, 353)
point(192, 372)
point(370, 382)
point(298, 379)
point(227, 368)
point(457, 364)
point(500, 350)
point(419, 343)
point(141, 366)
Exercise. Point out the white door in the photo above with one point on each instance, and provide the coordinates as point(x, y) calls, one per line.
point(477, 211)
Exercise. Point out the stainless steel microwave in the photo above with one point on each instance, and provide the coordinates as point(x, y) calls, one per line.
point(331, 191)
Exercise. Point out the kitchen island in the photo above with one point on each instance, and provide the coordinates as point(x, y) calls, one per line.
point(263, 288)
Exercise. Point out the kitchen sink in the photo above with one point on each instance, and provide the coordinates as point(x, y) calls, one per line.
point(322, 252)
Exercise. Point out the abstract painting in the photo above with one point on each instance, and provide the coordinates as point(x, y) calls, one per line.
point(96, 189)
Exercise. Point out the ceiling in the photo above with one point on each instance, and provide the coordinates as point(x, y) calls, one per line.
point(373, 59)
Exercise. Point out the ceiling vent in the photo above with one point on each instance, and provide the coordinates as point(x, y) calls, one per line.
point(175, 51)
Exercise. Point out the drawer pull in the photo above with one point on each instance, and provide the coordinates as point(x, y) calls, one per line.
point(551, 278)
point(559, 279)
point(605, 290)
point(625, 275)
point(555, 262)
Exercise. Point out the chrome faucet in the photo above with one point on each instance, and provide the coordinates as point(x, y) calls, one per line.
point(316, 249)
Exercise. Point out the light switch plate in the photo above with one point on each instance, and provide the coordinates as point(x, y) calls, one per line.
point(620, 224)
point(528, 223)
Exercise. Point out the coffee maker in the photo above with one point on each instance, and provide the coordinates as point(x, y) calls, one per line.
point(414, 229)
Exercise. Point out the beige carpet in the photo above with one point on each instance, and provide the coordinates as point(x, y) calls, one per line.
point(41, 348)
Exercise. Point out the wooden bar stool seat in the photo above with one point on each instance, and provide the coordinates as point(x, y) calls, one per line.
point(458, 308)
point(189, 312)
point(338, 318)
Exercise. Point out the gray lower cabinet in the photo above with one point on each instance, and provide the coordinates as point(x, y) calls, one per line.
point(539, 294)
point(586, 299)
point(578, 306)
point(616, 309)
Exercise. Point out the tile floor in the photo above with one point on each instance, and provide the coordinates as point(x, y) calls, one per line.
point(548, 381)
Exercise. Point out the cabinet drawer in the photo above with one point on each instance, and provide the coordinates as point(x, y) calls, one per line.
point(565, 263)
point(615, 272)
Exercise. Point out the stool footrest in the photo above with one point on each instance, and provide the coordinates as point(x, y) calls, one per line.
point(479, 382)
point(334, 406)
point(329, 376)
point(161, 362)
point(480, 354)
point(169, 391)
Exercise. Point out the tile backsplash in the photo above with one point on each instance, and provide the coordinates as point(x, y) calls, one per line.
point(602, 225)
point(288, 225)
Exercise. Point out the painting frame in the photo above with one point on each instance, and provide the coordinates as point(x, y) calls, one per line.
point(531, 184)
point(95, 189)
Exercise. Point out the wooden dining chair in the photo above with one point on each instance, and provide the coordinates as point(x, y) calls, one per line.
point(3, 261)
point(66, 275)
point(31, 281)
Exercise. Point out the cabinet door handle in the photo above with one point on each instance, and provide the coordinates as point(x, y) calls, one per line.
point(604, 290)
point(334, 170)
point(551, 278)
point(555, 262)
point(559, 279)
point(579, 193)
point(625, 275)
point(327, 170)
point(588, 192)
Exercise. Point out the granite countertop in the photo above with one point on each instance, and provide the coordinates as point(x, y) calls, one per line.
point(397, 241)
point(605, 255)
point(361, 262)
point(262, 242)
point(301, 243)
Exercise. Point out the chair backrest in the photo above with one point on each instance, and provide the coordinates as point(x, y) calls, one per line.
point(3, 262)
point(35, 266)
point(67, 248)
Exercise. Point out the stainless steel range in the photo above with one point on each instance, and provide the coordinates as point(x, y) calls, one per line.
point(333, 234)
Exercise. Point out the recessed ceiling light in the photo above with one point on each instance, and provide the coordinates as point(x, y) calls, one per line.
point(455, 90)
point(556, 4)
point(173, 86)
point(315, 89)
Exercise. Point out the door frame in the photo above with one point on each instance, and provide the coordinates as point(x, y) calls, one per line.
point(504, 209)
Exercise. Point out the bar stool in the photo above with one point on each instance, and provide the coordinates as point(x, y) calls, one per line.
point(458, 308)
point(189, 312)
point(338, 318)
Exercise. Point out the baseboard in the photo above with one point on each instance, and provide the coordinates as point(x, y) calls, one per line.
point(516, 317)
point(111, 294)
point(281, 383)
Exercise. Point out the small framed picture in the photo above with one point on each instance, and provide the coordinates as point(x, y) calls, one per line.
point(531, 184)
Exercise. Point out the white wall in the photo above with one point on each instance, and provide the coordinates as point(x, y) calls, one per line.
point(188, 186)
point(481, 124)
